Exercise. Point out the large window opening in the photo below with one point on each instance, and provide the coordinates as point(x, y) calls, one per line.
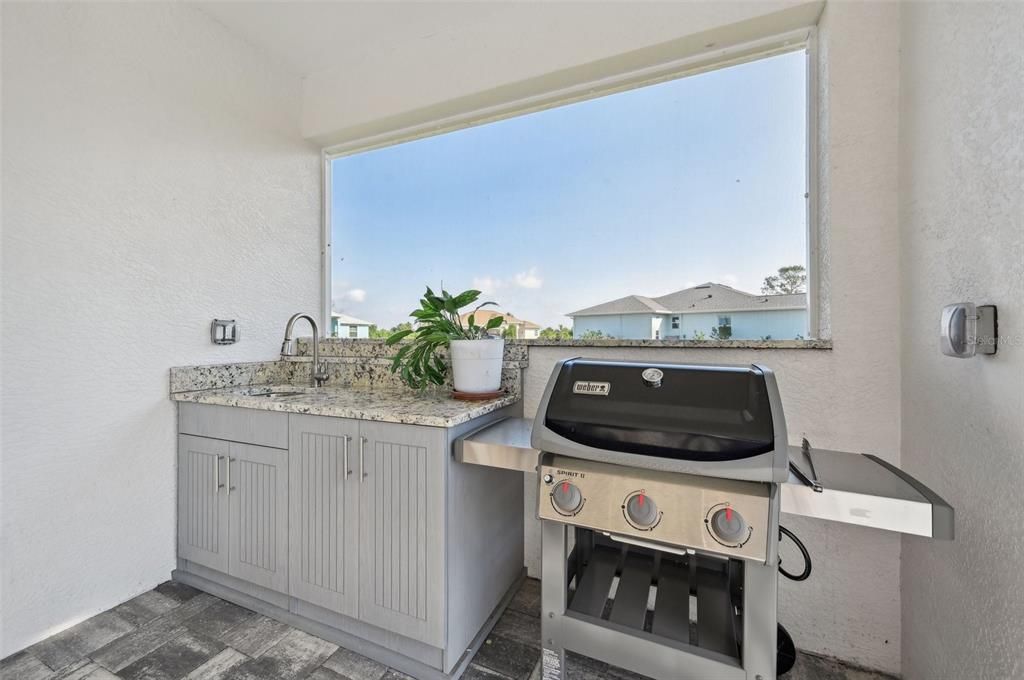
point(673, 210)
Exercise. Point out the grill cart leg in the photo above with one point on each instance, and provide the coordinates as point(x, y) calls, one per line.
point(554, 585)
point(552, 664)
point(760, 621)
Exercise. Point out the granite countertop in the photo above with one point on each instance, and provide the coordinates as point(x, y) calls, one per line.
point(387, 404)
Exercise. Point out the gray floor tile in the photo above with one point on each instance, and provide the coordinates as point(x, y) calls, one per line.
point(520, 627)
point(527, 598)
point(475, 672)
point(392, 674)
point(853, 673)
point(579, 667)
point(254, 636)
point(24, 666)
point(354, 666)
point(324, 674)
point(77, 642)
point(814, 667)
point(507, 657)
point(167, 638)
point(294, 657)
point(145, 607)
point(177, 591)
point(134, 646)
point(810, 667)
point(218, 665)
point(219, 618)
point(174, 659)
point(85, 670)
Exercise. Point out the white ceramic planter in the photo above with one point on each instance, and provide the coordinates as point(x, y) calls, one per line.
point(476, 364)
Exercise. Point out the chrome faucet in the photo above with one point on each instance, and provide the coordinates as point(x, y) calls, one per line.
point(318, 371)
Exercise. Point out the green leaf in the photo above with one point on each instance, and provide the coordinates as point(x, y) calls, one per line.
point(437, 324)
point(466, 298)
point(495, 322)
point(397, 337)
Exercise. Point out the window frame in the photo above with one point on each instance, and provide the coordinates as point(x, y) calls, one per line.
point(714, 58)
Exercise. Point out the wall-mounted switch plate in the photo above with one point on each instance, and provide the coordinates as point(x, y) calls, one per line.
point(224, 332)
point(967, 330)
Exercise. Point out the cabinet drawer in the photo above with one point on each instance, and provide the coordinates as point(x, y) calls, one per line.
point(246, 425)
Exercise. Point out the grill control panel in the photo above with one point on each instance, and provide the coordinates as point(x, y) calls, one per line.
point(721, 516)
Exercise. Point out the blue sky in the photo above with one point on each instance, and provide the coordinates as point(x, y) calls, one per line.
point(642, 192)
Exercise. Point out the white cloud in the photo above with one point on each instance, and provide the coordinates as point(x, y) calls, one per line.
point(529, 279)
point(486, 284)
point(344, 291)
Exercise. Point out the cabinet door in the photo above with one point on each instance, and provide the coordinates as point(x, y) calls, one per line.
point(401, 529)
point(323, 497)
point(203, 501)
point(258, 494)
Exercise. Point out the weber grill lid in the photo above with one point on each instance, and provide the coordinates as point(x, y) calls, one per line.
point(703, 413)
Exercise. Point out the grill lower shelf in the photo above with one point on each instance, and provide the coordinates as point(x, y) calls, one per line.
point(651, 595)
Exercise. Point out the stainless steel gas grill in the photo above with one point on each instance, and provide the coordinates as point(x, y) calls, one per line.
point(659, 495)
point(660, 491)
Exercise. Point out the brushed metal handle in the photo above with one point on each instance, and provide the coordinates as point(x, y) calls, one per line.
point(362, 473)
point(230, 488)
point(345, 440)
point(217, 486)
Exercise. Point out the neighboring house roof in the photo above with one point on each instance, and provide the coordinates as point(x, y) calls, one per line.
point(631, 304)
point(707, 297)
point(484, 315)
point(346, 320)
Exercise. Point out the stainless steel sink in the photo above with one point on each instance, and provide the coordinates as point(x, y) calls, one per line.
point(281, 393)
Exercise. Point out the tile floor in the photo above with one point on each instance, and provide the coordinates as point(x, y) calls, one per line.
point(175, 632)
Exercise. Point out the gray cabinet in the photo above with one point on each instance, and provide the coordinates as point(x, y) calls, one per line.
point(232, 509)
point(324, 512)
point(258, 508)
point(203, 501)
point(401, 530)
point(368, 531)
point(367, 522)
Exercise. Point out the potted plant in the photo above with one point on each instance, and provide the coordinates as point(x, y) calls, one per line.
point(476, 356)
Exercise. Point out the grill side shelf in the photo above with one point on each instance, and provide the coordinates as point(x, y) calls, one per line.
point(943, 516)
point(865, 490)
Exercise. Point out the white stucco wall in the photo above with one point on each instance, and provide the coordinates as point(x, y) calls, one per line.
point(962, 173)
point(847, 398)
point(153, 178)
point(518, 49)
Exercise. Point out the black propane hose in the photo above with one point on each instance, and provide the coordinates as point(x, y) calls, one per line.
point(802, 576)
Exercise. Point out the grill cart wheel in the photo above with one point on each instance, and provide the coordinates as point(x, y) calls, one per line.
point(786, 652)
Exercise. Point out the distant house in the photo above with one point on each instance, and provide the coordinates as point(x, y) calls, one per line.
point(524, 330)
point(705, 311)
point(345, 326)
